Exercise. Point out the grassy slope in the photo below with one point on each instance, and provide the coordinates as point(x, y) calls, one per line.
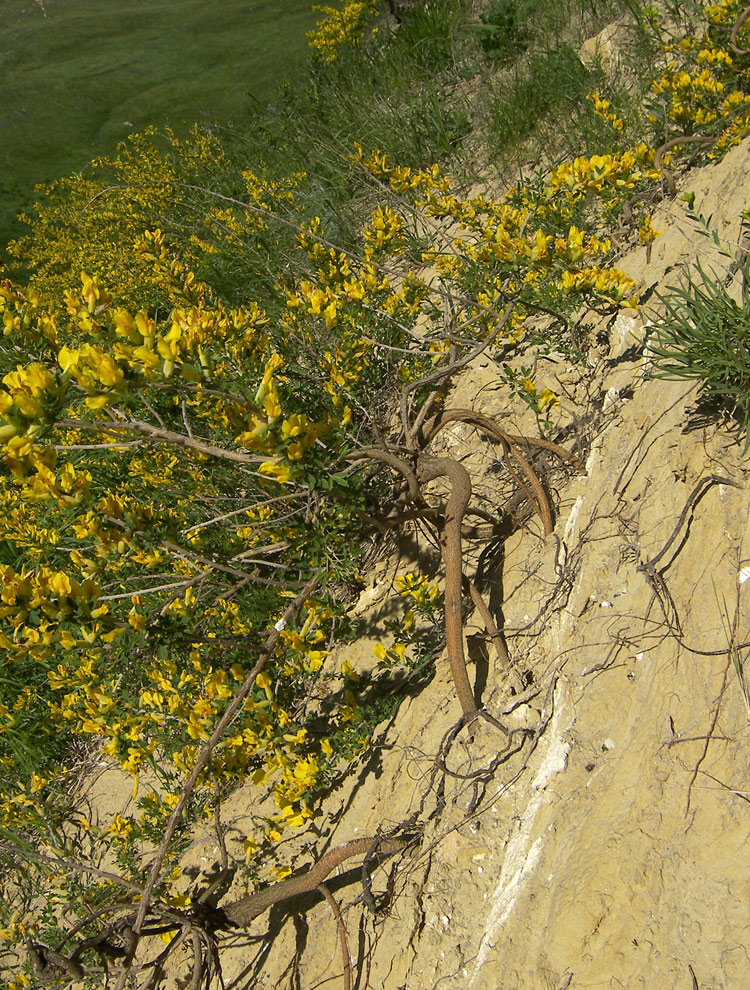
point(76, 76)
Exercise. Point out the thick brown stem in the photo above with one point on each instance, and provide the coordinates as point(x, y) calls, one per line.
point(242, 912)
point(674, 142)
point(736, 30)
point(490, 426)
point(427, 470)
point(489, 623)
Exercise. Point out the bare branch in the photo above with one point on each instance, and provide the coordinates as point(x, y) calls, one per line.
point(167, 436)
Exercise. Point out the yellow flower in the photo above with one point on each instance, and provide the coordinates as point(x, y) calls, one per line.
point(314, 659)
point(121, 826)
point(277, 470)
point(547, 399)
point(182, 900)
point(575, 244)
point(293, 818)
point(37, 783)
point(136, 620)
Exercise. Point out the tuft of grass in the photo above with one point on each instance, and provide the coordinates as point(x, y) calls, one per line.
point(536, 104)
point(503, 33)
point(551, 84)
point(703, 335)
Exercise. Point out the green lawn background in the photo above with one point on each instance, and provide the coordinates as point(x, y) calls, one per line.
point(77, 76)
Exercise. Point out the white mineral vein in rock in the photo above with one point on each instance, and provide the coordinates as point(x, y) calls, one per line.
point(522, 854)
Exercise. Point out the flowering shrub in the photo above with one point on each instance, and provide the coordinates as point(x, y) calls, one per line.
point(175, 454)
point(171, 473)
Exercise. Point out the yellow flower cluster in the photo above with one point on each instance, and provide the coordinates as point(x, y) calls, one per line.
point(22, 315)
point(38, 607)
point(354, 301)
point(108, 430)
point(693, 97)
point(28, 392)
point(603, 174)
point(92, 224)
point(303, 653)
point(531, 242)
point(417, 589)
point(603, 109)
point(540, 400)
point(194, 697)
point(606, 282)
point(703, 89)
point(340, 28)
point(394, 654)
point(384, 234)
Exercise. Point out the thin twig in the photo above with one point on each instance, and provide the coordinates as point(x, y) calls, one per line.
point(239, 512)
point(693, 499)
point(450, 369)
point(709, 735)
point(397, 463)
